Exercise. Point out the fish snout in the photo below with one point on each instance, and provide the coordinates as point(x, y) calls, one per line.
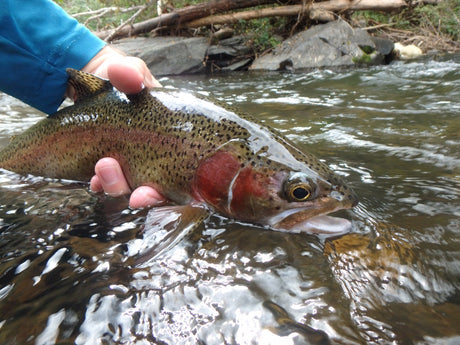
point(338, 190)
point(346, 196)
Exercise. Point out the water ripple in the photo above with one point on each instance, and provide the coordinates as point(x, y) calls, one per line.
point(408, 153)
point(391, 131)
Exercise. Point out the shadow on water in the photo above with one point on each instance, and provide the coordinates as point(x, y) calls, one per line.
point(67, 275)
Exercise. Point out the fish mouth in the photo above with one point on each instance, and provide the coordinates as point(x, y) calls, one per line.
point(324, 225)
point(311, 221)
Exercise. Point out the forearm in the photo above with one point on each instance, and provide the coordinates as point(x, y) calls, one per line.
point(38, 41)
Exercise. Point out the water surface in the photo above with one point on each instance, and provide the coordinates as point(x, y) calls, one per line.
point(67, 274)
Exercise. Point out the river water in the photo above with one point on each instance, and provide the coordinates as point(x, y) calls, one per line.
point(393, 132)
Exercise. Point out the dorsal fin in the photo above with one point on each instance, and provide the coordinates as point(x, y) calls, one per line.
point(86, 84)
point(140, 96)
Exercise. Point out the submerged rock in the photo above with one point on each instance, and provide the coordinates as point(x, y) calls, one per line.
point(327, 45)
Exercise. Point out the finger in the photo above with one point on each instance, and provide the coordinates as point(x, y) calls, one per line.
point(130, 74)
point(111, 177)
point(127, 73)
point(145, 197)
point(95, 184)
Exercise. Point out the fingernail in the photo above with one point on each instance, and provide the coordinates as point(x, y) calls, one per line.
point(150, 81)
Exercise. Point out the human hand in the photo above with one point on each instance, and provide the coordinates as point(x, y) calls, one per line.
point(110, 179)
point(129, 75)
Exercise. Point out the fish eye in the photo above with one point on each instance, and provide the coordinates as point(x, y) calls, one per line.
point(299, 192)
point(299, 187)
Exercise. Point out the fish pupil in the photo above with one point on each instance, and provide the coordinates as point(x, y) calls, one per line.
point(300, 193)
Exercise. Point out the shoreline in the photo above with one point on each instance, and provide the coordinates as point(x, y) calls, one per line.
point(332, 45)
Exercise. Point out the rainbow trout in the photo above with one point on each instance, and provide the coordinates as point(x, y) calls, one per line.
point(198, 154)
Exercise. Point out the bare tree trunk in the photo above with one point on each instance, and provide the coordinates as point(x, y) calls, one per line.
point(328, 6)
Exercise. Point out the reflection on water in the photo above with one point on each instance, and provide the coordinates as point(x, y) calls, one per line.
point(67, 275)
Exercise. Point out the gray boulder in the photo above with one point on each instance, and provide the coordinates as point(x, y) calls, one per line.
point(168, 55)
point(327, 45)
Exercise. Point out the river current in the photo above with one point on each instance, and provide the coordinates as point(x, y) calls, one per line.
point(393, 132)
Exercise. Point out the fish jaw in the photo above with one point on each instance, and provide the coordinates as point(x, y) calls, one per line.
point(313, 220)
point(324, 225)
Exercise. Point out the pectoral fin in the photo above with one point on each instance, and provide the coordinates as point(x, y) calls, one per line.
point(165, 227)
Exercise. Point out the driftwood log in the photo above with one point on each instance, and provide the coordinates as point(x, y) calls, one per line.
point(325, 6)
point(183, 15)
point(207, 13)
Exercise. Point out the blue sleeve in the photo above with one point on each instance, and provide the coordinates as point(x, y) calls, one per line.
point(38, 41)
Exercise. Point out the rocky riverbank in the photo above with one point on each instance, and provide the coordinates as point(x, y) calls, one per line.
point(334, 44)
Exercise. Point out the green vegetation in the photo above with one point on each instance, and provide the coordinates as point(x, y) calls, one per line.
point(264, 32)
point(444, 18)
point(111, 19)
point(434, 26)
point(365, 59)
point(427, 26)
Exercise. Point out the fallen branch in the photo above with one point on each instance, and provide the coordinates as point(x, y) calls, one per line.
point(425, 39)
point(95, 14)
point(183, 15)
point(379, 26)
point(231, 18)
point(128, 22)
point(329, 6)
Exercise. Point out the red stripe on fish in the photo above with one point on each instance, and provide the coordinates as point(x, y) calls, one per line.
point(214, 178)
point(247, 187)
